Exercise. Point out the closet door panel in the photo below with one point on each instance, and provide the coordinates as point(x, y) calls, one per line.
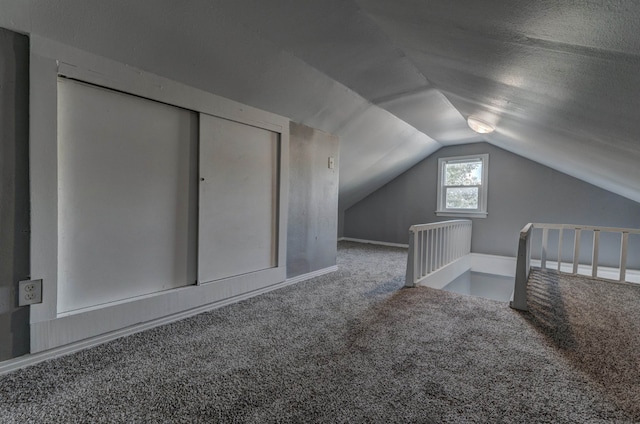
point(127, 206)
point(238, 203)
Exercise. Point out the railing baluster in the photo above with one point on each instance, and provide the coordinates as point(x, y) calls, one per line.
point(445, 245)
point(416, 260)
point(427, 250)
point(427, 258)
point(559, 249)
point(439, 244)
point(594, 257)
point(423, 255)
point(418, 254)
point(439, 247)
point(519, 299)
point(623, 256)
point(432, 257)
point(543, 251)
point(410, 278)
point(434, 246)
point(454, 243)
point(448, 245)
point(576, 250)
point(443, 242)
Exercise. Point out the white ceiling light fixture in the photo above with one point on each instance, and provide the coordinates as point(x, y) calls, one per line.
point(479, 126)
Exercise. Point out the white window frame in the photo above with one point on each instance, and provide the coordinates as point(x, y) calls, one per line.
point(481, 211)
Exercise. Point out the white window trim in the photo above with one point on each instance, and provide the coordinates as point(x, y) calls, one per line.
point(481, 212)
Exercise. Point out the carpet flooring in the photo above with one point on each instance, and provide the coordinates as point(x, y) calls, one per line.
point(354, 346)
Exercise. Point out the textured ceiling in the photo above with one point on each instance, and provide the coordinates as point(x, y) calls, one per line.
point(394, 79)
point(559, 79)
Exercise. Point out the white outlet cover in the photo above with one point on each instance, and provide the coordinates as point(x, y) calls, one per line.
point(29, 292)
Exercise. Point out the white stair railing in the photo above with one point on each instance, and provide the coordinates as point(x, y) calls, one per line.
point(519, 300)
point(433, 246)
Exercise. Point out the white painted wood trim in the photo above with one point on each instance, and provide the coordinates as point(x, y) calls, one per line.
point(35, 358)
point(462, 214)
point(310, 275)
point(596, 271)
point(379, 243)
point(443, 276)
point(481, 212)
point(43, 179)
point(434, 246)
point(76, 64)
point(586, 228)
point(505, 265)
point(434, 225)
point(493, 264)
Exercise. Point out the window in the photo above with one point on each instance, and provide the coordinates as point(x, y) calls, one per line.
point(462, 186)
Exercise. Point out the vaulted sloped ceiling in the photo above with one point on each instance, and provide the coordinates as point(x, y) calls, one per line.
point(559, 79)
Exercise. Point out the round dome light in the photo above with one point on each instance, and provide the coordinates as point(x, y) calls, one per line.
point(479, 126)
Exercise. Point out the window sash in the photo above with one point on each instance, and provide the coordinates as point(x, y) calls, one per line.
point(478, 198)
point(473, 161)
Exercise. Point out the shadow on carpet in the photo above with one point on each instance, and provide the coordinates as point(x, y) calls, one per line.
point(596, 325)
point(349, 347)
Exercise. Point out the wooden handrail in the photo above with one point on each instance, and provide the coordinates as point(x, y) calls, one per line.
point(587, 228)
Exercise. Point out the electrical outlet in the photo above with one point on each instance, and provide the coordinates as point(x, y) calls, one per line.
point(29, 292)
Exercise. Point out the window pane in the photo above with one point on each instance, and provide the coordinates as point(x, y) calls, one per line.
point(462, 198)
point(463, 173)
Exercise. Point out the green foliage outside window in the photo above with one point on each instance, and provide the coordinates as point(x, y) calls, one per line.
point(465, 177)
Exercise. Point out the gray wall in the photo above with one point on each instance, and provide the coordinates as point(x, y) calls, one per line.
point(312, 211)
point(520, 191)
point(207, 45)
point(313, 201)
point(14, 191)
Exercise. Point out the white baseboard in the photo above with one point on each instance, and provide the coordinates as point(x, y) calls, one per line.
point(310, 275)
point(379, 243)
point(34, 358)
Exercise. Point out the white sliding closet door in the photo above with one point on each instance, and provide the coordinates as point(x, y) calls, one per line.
point(238, 204)
point(127, 202)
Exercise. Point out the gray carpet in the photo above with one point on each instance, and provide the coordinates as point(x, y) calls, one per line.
point(355, 347)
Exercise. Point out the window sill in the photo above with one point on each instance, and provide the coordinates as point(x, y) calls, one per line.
point(462, 214)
